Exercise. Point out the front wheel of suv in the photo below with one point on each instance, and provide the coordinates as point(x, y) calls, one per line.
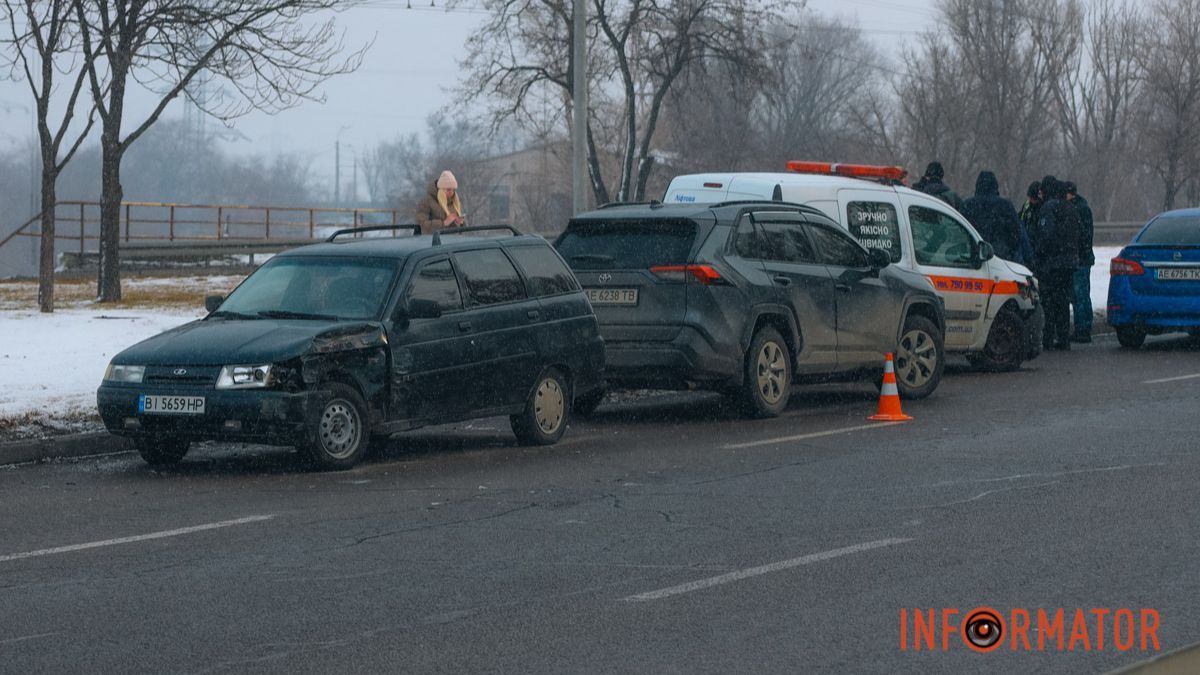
point(768, 378)
point(920, 358)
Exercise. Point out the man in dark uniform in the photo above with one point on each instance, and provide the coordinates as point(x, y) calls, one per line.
point(1081, 282)
point(1057, 257)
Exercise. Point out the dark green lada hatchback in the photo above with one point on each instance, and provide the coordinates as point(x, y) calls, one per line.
point(330, 346)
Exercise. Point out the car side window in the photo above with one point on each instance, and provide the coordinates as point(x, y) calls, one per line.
point(875, 225)
point(837, 248)
point(747, 240)
point(489, 277)
point(786, 242)
point(545, 272)
point(939, 240)
point(436, 281)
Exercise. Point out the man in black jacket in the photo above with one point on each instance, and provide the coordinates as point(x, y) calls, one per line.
point(1057, 253)
point(994, 218)
point(1082, 279)
point(931, 184)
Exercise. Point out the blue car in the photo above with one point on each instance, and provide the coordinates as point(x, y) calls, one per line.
point(1154, 284)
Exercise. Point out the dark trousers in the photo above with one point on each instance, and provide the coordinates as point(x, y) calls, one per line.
point(1056, 296)
point(1082, 304)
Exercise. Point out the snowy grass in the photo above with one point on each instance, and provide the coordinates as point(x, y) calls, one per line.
point(51, 364)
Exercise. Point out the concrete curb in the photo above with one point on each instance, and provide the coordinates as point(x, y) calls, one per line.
point(73, 445)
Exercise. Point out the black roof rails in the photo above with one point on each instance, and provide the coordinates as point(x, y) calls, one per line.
point(437, 238)
point(416, 229)
point(653, 203)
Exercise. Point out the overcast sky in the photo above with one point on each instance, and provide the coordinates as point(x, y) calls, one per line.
point(409, 72)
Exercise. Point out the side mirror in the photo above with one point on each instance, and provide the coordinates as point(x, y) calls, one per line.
point(984, 253)
point(212, 302)
point(879, 258)
point(419, 309)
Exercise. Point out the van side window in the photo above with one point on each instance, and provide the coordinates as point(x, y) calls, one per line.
point(836, 248)
point(544, 271)
point(489, 277)
point(786, 242)
point(939, 240)
point(875, 225)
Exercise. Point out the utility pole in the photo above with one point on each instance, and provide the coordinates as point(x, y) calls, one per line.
point(579, 108)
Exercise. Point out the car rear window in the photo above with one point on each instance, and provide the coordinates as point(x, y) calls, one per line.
point(626, 244)
point(544, 271)
point(1172, 230)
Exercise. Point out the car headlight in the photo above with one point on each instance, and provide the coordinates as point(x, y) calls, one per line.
point(128, 374)
point(244, 377)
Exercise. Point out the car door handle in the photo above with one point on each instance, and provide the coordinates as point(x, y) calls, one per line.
point(533, 315)
point(843, 287)
point(782, 281)
point(464, 326)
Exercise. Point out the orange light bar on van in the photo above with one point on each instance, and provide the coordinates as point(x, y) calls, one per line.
point(894, 173)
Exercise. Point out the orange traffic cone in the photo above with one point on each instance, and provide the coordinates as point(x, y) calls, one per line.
point(889, 397)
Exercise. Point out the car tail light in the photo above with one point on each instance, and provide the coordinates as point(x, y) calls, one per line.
point(705, 274)
point(1122, 267)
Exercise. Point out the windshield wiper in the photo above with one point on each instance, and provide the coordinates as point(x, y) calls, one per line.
point(593, 257)
point(224, 313)
point(285, 314)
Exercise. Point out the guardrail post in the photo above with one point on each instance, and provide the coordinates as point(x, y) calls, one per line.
point(81, 230)
point(268, 233)
point(220, 211)
point(127, 222)
point(171, 224)
point(312, 231)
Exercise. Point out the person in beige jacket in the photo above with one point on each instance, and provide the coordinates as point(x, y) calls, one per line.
point(440, 208)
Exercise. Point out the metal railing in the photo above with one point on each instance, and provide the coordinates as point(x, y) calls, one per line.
point(78, 222)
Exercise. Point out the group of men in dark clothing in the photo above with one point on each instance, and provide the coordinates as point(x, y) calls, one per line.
point(1052, 235)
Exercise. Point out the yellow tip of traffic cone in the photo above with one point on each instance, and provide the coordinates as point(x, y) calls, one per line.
point(889, 397)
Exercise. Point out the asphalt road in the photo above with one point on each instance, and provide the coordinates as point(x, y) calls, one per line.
point(663, 536)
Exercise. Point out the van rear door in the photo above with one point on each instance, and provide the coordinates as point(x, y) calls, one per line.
point(624, 267)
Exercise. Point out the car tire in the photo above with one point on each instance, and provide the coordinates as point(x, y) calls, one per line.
point(586, 404)
point(767, 384)
point(920, 358)
point(1131, 337)
point(1006, 347)
point(337, 436)
point(547, 411)
point(162, 450)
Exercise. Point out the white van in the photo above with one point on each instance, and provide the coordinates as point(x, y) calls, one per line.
point(993, 314)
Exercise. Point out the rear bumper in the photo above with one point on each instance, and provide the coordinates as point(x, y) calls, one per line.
point(1170, 312)
point(272, 417)
point(688, 360)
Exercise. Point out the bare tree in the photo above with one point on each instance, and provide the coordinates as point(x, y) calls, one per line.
point(1097, 99)
point(638, 51)
point(41, 50)
point(1170, 111)
point(258, 54)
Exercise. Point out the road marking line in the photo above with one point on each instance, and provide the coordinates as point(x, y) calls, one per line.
point(11, 641)
point(763, 569)
point(815, 434)
point(1172, 379)
point(135, 538)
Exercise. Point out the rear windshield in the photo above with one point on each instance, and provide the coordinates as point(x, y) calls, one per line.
point(1172, 230)
point(626, 244)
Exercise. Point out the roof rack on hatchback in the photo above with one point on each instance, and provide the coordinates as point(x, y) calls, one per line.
point(416, 229)
point(437, 238)
point(653, 203)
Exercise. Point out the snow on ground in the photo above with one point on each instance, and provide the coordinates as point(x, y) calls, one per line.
point(51, 364)
point(1104, 255)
